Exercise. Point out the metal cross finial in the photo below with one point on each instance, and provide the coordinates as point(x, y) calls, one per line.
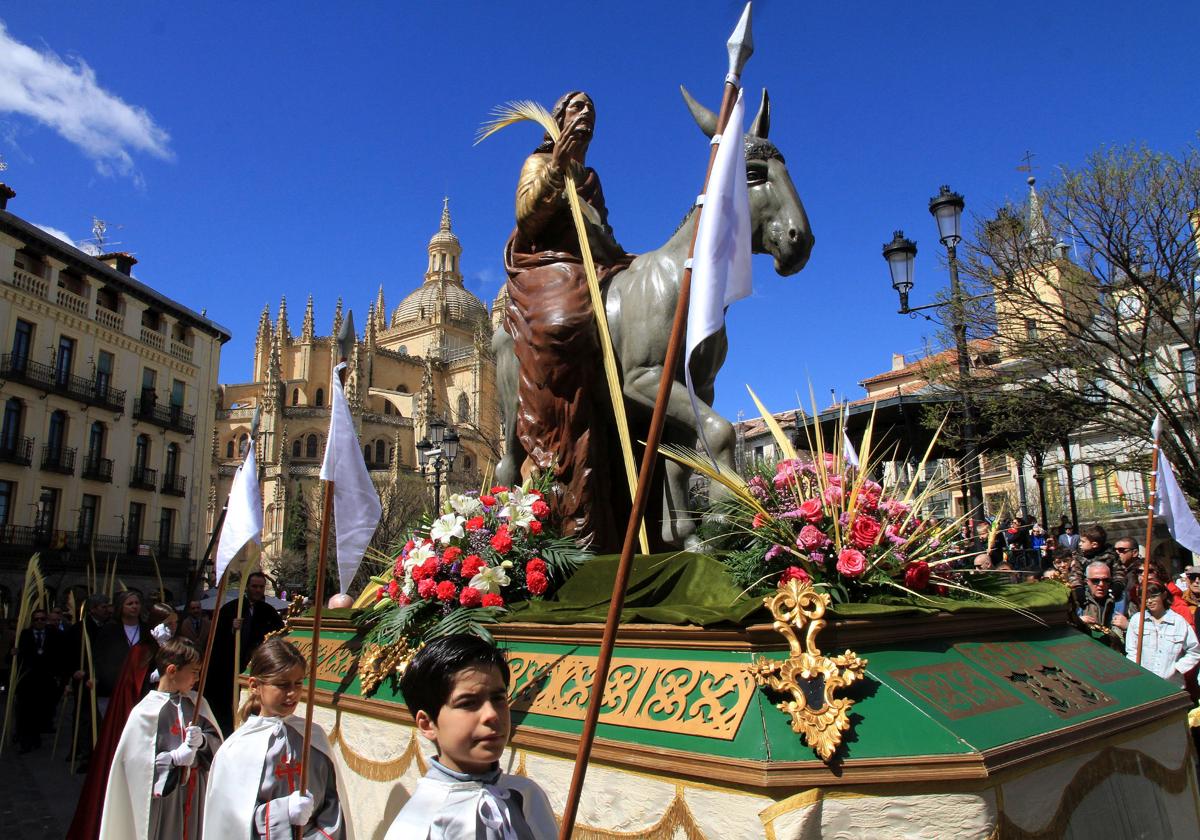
point(741, 44)
point(1028, 165)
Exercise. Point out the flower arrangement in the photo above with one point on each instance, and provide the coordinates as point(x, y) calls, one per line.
point(462, 570)
point(820, 519)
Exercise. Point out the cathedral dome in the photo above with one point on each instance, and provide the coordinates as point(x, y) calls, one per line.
point(442, 295)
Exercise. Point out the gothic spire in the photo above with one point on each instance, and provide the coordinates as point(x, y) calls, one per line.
point(337, 320)
point(1040, 240)
point(282, 330)
point(380, 317)
point(306, 331)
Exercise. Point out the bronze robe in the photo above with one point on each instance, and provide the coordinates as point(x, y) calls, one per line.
point(564, 416)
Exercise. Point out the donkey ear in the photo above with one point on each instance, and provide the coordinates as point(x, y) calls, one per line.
point(704, 118)
point(762, 120)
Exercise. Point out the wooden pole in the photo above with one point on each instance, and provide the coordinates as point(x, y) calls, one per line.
point(649, 457)
point(208, 646)
point(237, 639)
point(1146, 548)
point(198, 573)
point(79, 686)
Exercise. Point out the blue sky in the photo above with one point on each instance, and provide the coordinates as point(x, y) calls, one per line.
point(257, 149)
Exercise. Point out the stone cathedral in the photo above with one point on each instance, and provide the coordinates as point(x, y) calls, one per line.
point(431, 358)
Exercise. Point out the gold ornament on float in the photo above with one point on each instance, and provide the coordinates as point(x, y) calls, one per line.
point(807, 675)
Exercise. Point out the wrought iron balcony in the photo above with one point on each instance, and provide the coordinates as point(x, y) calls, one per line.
point(166, 416)
point(20, 368)
point(98, 469)
point(17, 451)
point(174, 485)
point(59, 459)
point(143, 478)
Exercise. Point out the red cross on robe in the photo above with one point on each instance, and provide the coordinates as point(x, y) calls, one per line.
point(289, 770)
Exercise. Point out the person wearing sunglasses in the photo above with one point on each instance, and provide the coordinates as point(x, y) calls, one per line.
point(1102, 612)
point(1169, 645)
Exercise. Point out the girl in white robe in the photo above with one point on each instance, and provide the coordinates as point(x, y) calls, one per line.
point(254, 791)
point(156, 785)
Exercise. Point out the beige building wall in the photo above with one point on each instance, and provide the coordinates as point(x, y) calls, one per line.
point(431, 357)
point(108, 389)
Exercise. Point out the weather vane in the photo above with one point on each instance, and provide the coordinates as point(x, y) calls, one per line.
point(1027, 166)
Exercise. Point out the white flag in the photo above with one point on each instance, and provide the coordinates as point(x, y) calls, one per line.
point(721, 271)
point(243, 516)
point(1171, 505)
point(848, 450)
point(356, 507)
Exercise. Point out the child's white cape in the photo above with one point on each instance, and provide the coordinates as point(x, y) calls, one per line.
point(237, 773)
point(459, 802)
point(126, 814)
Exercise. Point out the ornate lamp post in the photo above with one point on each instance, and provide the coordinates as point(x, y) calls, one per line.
point(946, 208)
point(436, 454)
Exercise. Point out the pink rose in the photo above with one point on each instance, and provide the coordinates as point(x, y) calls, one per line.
point(864, 532)
point(851, 562)
point(793, 573)
point(916, 575)
point(812, 510)
point(896, 509)
point(811, 537)
point(834, 496)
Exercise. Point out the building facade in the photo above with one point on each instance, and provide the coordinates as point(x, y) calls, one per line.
point(430, 358)
point(108, 391)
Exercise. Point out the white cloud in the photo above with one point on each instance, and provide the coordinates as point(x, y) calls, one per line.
point(86, 247)
point(67, 98)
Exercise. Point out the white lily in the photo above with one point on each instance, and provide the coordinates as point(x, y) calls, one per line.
point(446, 527)
point(518, 508)
point(491, 579)
point(466, 506)
point(418, 555)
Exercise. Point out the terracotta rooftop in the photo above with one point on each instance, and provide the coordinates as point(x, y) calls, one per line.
point(976, 347)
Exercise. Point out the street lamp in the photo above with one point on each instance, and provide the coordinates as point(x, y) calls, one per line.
point(946, 208)
point(437, 453)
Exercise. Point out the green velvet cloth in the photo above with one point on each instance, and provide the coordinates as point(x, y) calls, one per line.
point(682, 588)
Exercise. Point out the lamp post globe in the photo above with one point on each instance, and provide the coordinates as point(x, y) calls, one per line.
point(423, 449)
point(946, 208)
point(900, 254)
point(450, 444)
point(437, 429)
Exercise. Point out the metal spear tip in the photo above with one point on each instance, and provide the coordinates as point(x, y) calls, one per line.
point(346, 337)
point(741, 43)
point(254, 422)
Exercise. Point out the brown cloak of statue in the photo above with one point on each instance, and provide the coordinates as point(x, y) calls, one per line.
point(564, 417)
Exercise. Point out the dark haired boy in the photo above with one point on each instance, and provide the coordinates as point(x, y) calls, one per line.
point(457, 690)
point(156, 785)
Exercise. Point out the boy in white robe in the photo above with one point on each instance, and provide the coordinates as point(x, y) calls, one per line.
point(156, 785)
point(254, 790)
point(457, 689)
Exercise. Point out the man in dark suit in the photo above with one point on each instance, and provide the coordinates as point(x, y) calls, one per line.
point(75, 670)
point(258, 619)
point(194, 624)
point(37, 685)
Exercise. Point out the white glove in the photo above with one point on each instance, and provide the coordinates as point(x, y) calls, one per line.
point(161, 633)
point(193, 736)
point(300, 808)
point(183, 755)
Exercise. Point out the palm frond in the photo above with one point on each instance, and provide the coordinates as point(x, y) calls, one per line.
point(465, 621)
point(702, 464)
point(33, 596)
point(781, 440)
point(511, 113)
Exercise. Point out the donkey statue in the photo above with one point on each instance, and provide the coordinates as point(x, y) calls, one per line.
point(640, 304)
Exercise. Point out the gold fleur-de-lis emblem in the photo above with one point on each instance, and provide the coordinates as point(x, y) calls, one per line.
point(807, 676)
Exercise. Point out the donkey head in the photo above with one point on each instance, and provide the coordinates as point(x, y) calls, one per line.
point(777, 218)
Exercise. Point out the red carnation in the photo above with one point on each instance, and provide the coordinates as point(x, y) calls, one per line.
point(471, 566)
point(536, 566)
point(502, 542)
point(493, 600)
point(475, 523)
point(393, 589)
point(425, 587)
point(488, 500)
point(536, 582)
point(540, 509)
point(535, 527)
point(499, 488)
point(379, 594)
point(446, 591)
point(398, 569)
point(470, 597)
point(408, 546)
point(916, 575)
point(451, 554)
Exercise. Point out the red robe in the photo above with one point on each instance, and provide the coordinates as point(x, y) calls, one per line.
point(131, 686)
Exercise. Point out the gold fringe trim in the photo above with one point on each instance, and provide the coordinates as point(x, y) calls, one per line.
point(1109, 762)
point(676, 823)
point(378, 771)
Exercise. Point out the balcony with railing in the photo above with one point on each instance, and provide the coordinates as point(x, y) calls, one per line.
point(30, 283)
point(17, 451)
point(174, 485)
point(167, 416)
point(59, 459)
point(114, 321)
point(65, 550)
point(72, 302)
point(181, 351)
point(20, 368)
point(98, 469)
point(152, 337)
point(143, 478)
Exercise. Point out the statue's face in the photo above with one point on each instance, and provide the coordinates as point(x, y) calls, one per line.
point(580, 107)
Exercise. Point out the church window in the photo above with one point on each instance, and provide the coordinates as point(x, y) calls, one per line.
point(464, 408)
point(297, 447)
point(466, 462)
point(367, 454)
point(310, 447)
point(229, 449)
point(379, 449)
point(243, 441)
point(295, 396)
point(320, 397)
point(452, 262)
point(387, 407)
point(402, 388)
